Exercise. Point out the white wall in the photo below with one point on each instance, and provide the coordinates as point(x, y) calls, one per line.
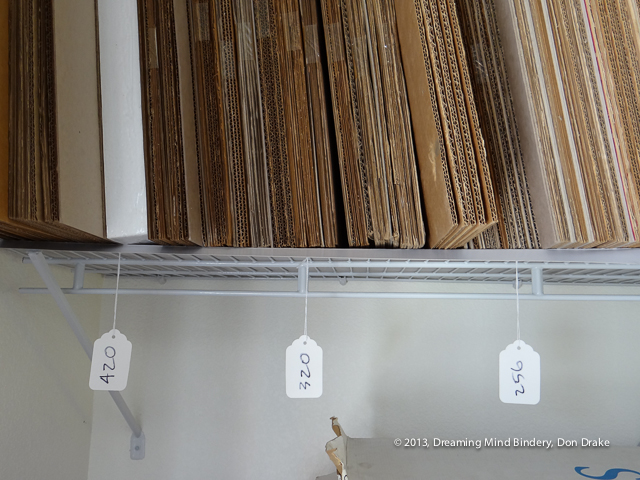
point(207, 379)
point(45, 402)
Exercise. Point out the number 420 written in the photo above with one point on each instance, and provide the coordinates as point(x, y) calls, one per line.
point(110, 353)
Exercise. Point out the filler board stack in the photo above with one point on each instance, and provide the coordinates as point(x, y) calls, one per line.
point(322, 123)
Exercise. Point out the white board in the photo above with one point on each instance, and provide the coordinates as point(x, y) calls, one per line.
point(123, 142)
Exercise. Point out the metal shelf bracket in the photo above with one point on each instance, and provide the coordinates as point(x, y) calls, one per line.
point(537, 281)
point(38, 260)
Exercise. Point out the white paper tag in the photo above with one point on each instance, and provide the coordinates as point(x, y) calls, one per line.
point(304, 369)
point(519, 374)
point(110, 362)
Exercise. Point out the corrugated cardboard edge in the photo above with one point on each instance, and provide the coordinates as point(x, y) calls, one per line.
point(432, 174)
point(4, 114)
point(187, 116)
point(524, 117)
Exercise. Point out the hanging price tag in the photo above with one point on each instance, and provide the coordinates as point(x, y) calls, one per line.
point(304, 369)
point(110, 362)
point(519, 374)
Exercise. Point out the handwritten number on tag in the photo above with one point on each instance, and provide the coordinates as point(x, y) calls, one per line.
point(110, 362)
point(517, 380)
point(109, 352)
point(304, 369)
point(306, 364)
point(519, 374)
point(304, 358)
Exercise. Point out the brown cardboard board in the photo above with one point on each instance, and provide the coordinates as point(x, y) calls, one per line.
point(483, 43)
point(371, 118)
point(297, 116)
point(171, 155)
point(613, 29)
point(566, 112)
point(273, 121)
point(355, 194)
point(323, 139)
point(191, 180)
point(211, 149)
point(541, 196)
point(457, 191)
point(236, 167)
point(55, 163)
point(254, 149)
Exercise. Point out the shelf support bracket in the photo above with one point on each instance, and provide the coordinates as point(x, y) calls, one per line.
point(78, 276)
point(303, 273)
point(537, 281)
point(38, 260)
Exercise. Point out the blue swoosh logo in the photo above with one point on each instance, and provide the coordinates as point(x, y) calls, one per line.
point(610, 475)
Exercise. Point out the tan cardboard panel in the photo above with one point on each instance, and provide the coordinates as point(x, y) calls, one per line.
point(355, 194)
point(80, 187)
point(316, 65)
point(192, 213)
point(438, 193)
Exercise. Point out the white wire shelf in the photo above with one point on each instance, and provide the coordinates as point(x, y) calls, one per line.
point(617, 267)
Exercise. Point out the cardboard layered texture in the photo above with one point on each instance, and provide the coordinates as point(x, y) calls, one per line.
point(300, 165)
point(172, 170)
point(323, 138)
point(224, 30)
point(274, 124)
point(568, 117)
point(123, 143)
point(371, 117)
point(252, 133)
point(218, 225)
point(55, 183)
point(235, 125)
point(307, 123)
point(613, 28)
point(481, 459)
point(304, 184)
point(516, 226)
point(458, 192)
point(8, 228)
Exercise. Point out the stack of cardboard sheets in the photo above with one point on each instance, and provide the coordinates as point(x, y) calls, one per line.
point(170, 148)
point(51, 166)
point(372, 124)
point(571, 86)
point(236, 124)
point(314, 123)
point(614, 29)
point(483, 45)
point(459, 198)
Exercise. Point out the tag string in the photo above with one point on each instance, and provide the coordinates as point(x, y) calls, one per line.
point(517, 305)
point(306, 295)
point(115, 307)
